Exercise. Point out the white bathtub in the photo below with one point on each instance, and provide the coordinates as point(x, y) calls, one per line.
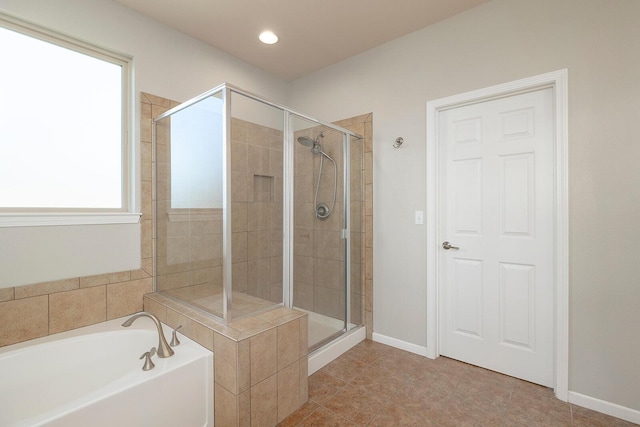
point(92, 376)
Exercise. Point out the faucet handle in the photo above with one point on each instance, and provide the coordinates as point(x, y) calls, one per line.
point(148, 363)
point(174, 338)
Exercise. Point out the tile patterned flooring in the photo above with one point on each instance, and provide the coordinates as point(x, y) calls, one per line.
point(376, 385)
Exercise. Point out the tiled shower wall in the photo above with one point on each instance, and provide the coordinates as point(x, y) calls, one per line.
point(256, 195)
point(190, 240)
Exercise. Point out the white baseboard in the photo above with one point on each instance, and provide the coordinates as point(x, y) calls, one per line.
point(402, 345)
point(605, 407)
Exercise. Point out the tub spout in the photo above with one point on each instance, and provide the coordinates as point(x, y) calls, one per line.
point(164, 350)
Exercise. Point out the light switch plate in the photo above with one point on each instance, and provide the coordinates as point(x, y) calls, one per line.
point(419, 217)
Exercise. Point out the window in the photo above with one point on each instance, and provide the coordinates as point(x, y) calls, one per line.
point(63, 128)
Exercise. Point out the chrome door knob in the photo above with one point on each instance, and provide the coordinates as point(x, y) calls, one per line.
point(447, 246)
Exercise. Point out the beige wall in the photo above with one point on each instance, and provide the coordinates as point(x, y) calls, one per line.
point(504, 40)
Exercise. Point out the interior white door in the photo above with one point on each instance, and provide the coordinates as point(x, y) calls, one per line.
point(496, 291)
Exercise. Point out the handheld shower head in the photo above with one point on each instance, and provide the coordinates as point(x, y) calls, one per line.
point(306, 141)
point(313, 143)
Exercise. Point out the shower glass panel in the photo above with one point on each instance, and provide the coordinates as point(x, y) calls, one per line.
point(189, 204)
point(258, 207)
point(356, 262)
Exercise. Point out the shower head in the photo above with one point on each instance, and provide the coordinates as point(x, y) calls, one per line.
point(306, 141)
point(313, 143)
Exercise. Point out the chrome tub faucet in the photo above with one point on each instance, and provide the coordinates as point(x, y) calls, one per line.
point(164, 350)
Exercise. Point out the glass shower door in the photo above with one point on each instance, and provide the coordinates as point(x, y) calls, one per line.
point(319, 246)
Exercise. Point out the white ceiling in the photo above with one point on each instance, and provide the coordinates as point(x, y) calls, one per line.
point(313, 33)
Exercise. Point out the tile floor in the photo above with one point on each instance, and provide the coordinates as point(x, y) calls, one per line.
point(377, 385)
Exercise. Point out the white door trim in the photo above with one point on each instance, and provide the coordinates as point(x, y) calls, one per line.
point(558, 81)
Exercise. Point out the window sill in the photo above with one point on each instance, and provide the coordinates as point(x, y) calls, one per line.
point(53, 219)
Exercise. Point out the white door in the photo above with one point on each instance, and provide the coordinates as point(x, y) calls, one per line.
point(496, 212)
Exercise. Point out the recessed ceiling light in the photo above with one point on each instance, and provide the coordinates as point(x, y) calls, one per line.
point(268, 37)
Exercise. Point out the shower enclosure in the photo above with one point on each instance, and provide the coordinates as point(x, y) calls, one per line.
point(258, 206)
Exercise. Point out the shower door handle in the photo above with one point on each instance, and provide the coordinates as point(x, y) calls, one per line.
point(447, 246)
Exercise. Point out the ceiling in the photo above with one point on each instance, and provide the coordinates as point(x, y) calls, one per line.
point(313, 33)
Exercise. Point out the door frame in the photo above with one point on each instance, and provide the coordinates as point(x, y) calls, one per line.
point(558, 81)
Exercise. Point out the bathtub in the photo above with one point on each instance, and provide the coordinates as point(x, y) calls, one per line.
point(92, 376)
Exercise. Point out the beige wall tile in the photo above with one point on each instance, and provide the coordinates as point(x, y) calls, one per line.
point(258, 160)
point(327, 244)
point(288, 390)
point(46, 288)
point(368, 321)
point(303, 269)
point(225, 407)
point(304, 380)
point(239, 157)
point(199, 333)
point(147, 238)
point(257, 244)
point(127, 297)
point(239, 216)
point(147, 199)
point(23, 319)
point(155, 100)
point(74, 309)
point(239, 247)
point(369, 264)
point(140, 274)
point(239, 276)
point(327, 273)
point(226, 355)
point(105, 279)
point(368, 291)
point(239, 188)
point(145, 161)
point(157, 309)
point(145, 120)
point(174, 319)
point(244, 365)
point(244, 409)
point(264, 402)
point(288, 343)
point(264, 359)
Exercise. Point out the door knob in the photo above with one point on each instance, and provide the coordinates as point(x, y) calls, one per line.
point(447, 246)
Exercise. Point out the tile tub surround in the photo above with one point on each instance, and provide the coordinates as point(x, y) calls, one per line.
point(260, 363)
point(34, 311)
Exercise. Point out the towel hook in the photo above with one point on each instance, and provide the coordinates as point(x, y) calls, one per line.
point(398, 143)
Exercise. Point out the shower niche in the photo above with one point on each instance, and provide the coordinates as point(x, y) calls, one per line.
point(257, 207)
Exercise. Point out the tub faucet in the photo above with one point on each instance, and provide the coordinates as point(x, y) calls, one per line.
point(164, 350)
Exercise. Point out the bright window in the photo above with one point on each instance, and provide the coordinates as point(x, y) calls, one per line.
point(63, 124)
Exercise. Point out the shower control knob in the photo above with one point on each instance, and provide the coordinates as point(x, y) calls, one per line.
point(447, 246)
